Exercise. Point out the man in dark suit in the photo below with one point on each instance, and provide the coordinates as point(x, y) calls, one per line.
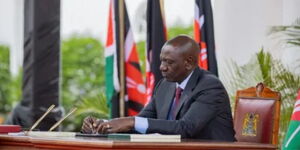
point(189, 101)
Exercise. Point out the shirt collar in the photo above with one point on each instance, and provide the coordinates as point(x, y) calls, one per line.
point(182, 85)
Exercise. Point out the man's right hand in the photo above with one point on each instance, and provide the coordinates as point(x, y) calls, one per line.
point(90, 125)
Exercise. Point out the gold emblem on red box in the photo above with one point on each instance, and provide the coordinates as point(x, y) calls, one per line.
point(250, 122)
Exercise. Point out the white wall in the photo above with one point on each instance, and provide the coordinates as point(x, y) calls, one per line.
point(241, 28)
point(84, 17)
point(241, 25)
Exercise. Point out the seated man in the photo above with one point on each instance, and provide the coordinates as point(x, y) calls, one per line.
point(189, 101)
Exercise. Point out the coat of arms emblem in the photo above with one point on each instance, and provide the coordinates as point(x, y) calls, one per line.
point(250, 124)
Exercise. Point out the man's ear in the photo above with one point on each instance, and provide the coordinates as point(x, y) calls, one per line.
point(188, 63)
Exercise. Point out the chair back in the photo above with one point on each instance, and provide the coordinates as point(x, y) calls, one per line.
point(256, 115)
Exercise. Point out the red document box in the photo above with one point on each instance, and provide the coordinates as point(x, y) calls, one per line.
point(9, 128)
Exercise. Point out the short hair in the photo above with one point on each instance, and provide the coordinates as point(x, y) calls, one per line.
point(186, 44)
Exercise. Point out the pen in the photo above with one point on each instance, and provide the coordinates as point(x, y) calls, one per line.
point(41, 118)
point(59, 122)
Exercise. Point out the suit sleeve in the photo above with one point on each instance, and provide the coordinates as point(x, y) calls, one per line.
point(205, 104)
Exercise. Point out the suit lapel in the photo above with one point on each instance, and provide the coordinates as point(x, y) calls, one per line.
point(168, 98)
point(187, 92)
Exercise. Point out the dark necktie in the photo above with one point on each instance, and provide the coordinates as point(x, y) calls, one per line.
point(177, 100)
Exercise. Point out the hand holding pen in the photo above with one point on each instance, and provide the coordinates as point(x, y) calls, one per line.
point(90, 125)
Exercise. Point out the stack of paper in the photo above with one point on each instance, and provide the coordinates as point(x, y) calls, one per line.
point(146, 137)
point(44, 134)
point(131, 137)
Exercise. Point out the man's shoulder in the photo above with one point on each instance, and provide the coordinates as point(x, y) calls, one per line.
point(208, 80)
point(207, 75)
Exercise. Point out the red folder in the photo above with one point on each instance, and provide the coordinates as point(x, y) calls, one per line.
point(9, 128)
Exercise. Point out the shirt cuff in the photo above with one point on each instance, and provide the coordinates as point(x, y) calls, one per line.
point(141, 124)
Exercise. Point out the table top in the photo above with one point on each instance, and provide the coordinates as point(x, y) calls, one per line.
point(10, 142)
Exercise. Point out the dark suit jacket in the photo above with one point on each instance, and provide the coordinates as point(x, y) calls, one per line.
point(203, 113)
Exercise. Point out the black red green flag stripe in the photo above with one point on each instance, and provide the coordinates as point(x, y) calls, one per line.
point(204, 35)
point(156, 37)
point(135, 91)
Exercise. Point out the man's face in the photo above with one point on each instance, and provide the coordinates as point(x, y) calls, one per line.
point(173, 64)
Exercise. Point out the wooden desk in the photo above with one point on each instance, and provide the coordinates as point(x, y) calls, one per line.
point(78, 143)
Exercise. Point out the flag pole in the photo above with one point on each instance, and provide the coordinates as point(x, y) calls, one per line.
point(122, 70)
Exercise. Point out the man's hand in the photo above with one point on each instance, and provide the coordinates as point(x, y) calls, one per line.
point(116, 125)
point(90, 125)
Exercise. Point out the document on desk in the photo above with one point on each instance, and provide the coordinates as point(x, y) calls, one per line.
point(115, 136)
point(146, 137)
point(44, 134)
point(54, 134)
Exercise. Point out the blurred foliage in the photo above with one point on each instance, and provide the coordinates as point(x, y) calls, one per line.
point(10, 87)
point(174, 31)
point(289, 34)
point(287, 83)
point(141, 49)
point(5, 78)
point(82, 79)
point(264, 68)
point(92, 106)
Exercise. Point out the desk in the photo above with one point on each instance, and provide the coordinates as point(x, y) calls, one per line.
point(78, 143)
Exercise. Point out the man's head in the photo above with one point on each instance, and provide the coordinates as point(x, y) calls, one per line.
point(179, 56)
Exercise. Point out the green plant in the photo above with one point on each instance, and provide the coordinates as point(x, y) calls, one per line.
point(10, 87)
point(5, 78)
point(89, 106)
point(96, 105)
point(290, 34)
point(82, 76)
point(141, 49)
point(264, 68)
point(176, 30)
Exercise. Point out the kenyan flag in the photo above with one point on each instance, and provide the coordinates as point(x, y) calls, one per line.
point(111, 63)
point(292, 138)
point(134, 87)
